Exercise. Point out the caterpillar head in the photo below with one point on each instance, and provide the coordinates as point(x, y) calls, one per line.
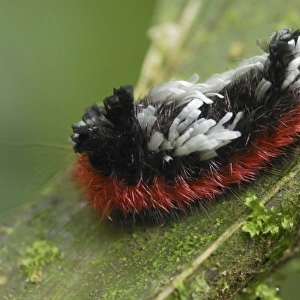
point(110, 136)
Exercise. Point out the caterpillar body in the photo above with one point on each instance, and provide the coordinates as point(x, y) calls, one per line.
point(188, 141)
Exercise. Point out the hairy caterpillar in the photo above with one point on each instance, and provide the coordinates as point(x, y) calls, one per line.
point(186, 140)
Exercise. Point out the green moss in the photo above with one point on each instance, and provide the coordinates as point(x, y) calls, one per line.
point(261, 291)
point(263, 220)
point(201, 285)
point(181, 292)
point(200, 289)
point(36, 257)
point(225, 287)
point(218, 222)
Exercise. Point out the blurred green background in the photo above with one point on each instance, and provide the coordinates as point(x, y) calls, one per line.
point(56, 59)
point(59, 57)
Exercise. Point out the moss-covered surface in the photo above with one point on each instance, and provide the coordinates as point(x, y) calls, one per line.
point(40, 254)
point(209, 254)
point(243, 257)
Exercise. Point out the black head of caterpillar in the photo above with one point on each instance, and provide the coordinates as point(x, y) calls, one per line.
point(111, 137)
point(184, 133)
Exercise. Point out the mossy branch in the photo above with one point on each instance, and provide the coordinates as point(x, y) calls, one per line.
point(210, 254)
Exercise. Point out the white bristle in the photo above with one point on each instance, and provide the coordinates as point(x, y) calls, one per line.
point(204, 98)
point(219, 126)
point(168, 158)
point(208, 145)
point(146, 118)
point(183, 138)
point(81, 123)
point(263, 90)
point(203, 127)
point(177, 91)
point(238, 116)
point(292, 70)
point(193, 142)
point(173, 136)
point(166, 145)
point(297, 46)
point(189, 120)
point(183, 114)
point(205, 155)
point(292, 43)
point(156, 140)
point(194, 104)
point(290, 78)
point(295, 85)
point(188, 132)
point(224, 135)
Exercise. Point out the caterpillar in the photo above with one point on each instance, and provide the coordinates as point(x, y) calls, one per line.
point(188, 141)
